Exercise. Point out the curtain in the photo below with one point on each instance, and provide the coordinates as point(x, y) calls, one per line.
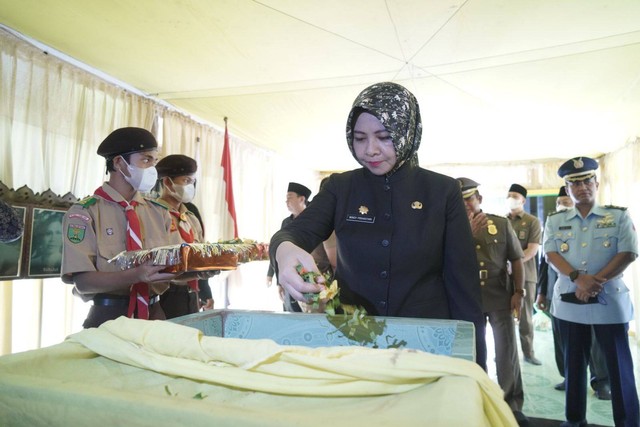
point(53, 116)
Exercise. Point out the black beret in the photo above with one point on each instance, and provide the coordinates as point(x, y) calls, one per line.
point(517, 188)
point(299, 189)
point(578, 169)
point(176, 165)
point(468, 187)
point(562, 192)
point(125, 141)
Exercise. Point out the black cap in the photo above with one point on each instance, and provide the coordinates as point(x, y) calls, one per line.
point(468, 187)
point(562, 192)
point(126, 141)
point(517, 188)
point(176, 165)
point(299, 189)
point(578, 169)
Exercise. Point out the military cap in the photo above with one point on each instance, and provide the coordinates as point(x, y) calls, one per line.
point(468, 187)
point(299, 189)
point(562, 192)
point(176, 165)
point(517, 188)
point(578, 169)
point(126, 141)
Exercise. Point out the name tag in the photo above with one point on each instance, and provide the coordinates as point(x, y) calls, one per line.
point(565, 227)
point(359, 218)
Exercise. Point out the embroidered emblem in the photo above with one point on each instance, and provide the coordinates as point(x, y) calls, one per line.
point(363, 210)
point(416, 205)
point(109, 231)
point(578, 163)
point(606, 221)
point(77, 215)
point(75, 233)
point(522, 235)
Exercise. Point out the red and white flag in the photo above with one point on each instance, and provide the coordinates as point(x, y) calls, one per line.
point(226, 175)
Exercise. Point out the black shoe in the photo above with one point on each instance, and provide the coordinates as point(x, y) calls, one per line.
point(532, 360)
point(521, 418)
point(560, 386)
point(582, 423)
point(603, 392)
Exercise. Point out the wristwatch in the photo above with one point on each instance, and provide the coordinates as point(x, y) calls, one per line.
point(521, 291)
point(574, 275)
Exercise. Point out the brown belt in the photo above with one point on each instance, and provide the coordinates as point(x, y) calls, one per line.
point(107, 300)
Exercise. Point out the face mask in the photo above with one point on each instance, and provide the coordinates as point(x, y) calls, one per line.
point(141, 179)
point(513, 203)
point(560, 208)
point(183, 193)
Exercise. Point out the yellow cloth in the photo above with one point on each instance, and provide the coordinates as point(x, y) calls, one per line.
point(157, 371)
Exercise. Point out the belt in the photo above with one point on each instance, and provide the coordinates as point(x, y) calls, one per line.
point(485, 274)
point(107, 300)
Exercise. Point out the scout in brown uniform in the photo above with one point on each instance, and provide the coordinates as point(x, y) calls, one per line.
point(95, 230)
point(529, 233)
point(177, 174)
point(496, 245)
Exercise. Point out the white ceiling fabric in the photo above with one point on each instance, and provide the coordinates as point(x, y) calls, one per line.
point(497, 80)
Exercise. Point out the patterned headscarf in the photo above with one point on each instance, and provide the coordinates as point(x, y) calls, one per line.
point(398, 110)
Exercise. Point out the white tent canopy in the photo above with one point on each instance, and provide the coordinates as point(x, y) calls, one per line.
point(498, 80)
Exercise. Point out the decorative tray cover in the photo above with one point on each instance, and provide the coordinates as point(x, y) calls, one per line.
point(189, 257)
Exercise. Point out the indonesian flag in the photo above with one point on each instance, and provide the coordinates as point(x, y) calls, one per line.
point(226, 175)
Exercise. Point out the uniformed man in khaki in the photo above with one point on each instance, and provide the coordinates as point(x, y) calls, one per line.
point(95, 230)
point(529, 233)
point(178, 186)
point(496, 246)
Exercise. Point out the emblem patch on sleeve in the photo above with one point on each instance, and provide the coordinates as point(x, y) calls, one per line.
point(75, 233)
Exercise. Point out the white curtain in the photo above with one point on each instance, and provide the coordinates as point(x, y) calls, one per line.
point(54, 115)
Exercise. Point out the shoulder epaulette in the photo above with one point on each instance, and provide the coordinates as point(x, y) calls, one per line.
point(622, 208)
point(158, 203)
point(87, 201)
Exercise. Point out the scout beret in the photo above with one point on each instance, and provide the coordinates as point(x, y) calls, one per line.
point(468, 187)
point(517, 188)
point(299, 189)
point(562, 192)
point(176, 165)
point(126, 141)
point(578, 169)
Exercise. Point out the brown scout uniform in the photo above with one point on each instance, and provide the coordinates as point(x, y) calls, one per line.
point(96, 231)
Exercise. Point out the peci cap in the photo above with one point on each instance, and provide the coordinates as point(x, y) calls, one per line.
point(126, 141)
point(299, 189)
point(176, 165)
point(468, 187)
point(517, 188)
point(563, 192)
point(578, 169)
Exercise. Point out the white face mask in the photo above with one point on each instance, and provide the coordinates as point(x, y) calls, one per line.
point(560, 208)
point(141, 179)
point(513, 203)
point(183, 193)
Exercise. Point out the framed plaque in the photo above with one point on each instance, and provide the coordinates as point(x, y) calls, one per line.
point(45, 248)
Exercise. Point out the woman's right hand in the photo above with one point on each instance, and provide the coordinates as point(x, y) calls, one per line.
point(288, 257)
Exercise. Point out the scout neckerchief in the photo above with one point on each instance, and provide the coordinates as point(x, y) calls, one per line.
point(186, 232)
point(139, 295)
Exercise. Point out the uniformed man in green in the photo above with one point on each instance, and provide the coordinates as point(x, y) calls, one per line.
point(496, 246)
point(116, 218)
